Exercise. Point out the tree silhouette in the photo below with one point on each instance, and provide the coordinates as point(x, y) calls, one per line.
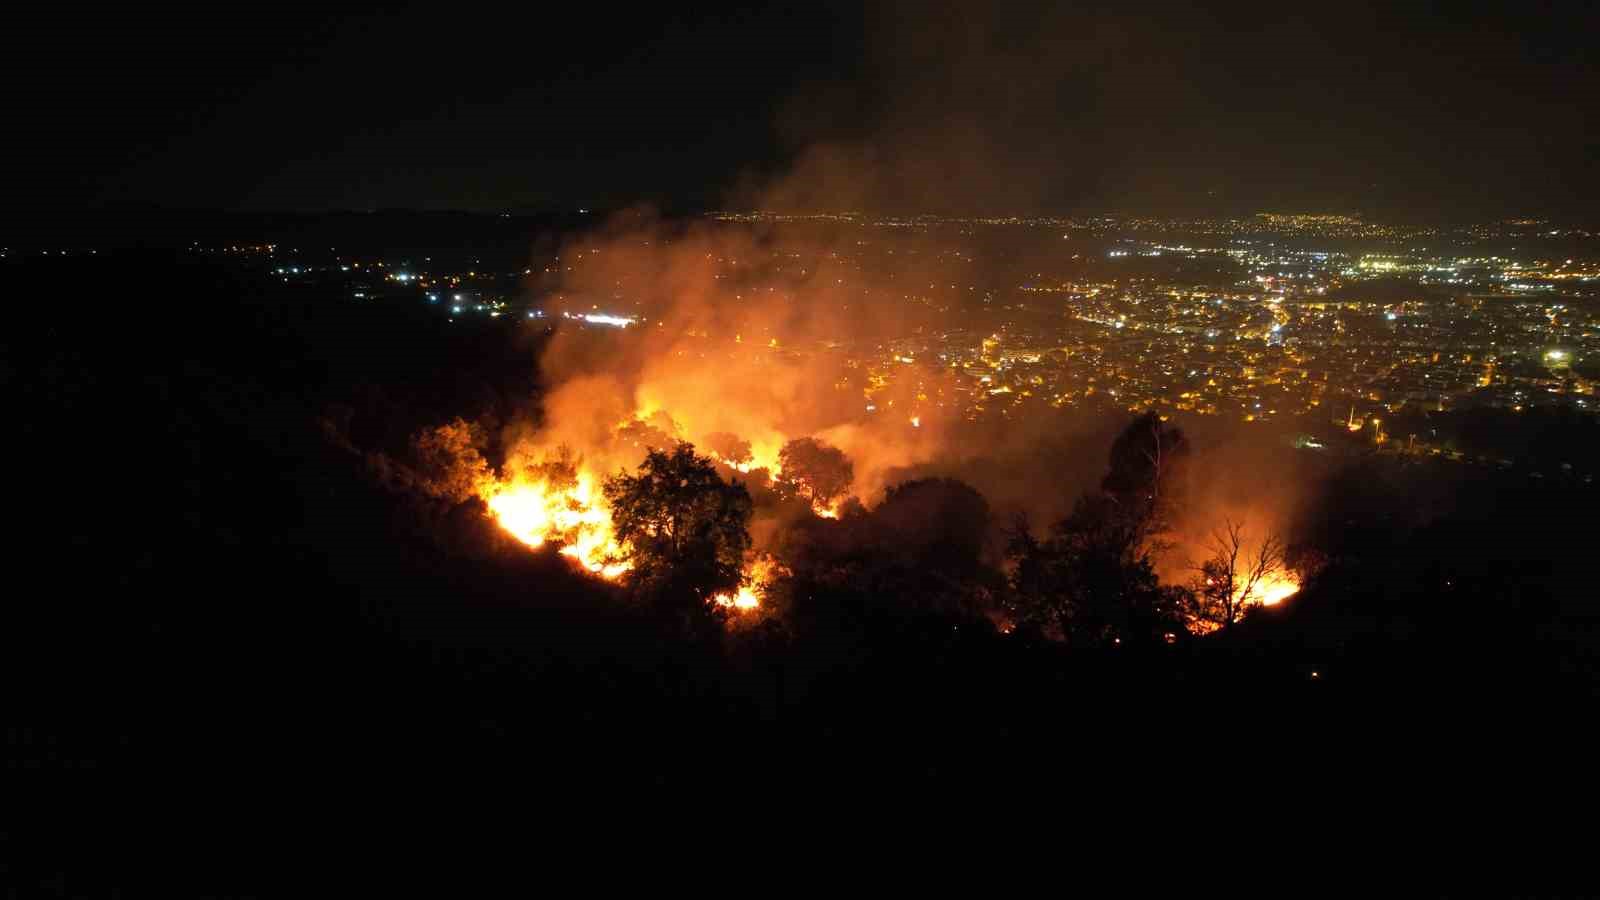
point(1091, 582)
point(818, 470)
point(688, 529)
point(1145, 477)
point(1227, 584)
point(921, 552)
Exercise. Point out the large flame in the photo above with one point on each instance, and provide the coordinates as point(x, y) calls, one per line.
point(1272, 589)
point(763, 455)
point(757, 578)
point(572, 513)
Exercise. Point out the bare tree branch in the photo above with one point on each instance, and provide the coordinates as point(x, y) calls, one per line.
point(1230, 580)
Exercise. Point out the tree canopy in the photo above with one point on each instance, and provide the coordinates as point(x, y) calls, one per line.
point(1091, 580)
point(732, 449)
point(921, 551)
point(688, 529)
point(1145, 474)
point(817, 469)
point(449, 458)
point(658, 431)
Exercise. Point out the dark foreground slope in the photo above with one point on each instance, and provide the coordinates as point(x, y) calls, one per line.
point(232, 658)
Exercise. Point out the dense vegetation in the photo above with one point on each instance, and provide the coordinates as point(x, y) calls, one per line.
point(217, 605)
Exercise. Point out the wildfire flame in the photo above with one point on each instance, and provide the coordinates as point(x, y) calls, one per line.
point(1272, 589)
point(757, 578)
point(574, 515)
point(746, 598)
point(572, 512)
point(762, 456)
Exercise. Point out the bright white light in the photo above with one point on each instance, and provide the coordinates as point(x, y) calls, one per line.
point(616, 321)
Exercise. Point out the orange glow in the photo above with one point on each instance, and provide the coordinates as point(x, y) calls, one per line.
point(1273, 589)
point(746, 598)
point(764, 455)
point(573, 515)
point(757, 578)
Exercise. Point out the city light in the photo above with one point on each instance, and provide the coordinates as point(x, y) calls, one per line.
point(1134, 344)
point(614, 321)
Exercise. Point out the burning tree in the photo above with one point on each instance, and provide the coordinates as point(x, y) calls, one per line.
point(1233, 579)
point(450, 462)
point(657, 430)
point(688, 530)
point(818, 470)
point(557, 470)
point(730, 448)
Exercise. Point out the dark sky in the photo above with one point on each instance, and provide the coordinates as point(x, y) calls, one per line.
point(1451, 107)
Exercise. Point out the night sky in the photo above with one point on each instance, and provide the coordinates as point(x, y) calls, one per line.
point(1449, 108)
